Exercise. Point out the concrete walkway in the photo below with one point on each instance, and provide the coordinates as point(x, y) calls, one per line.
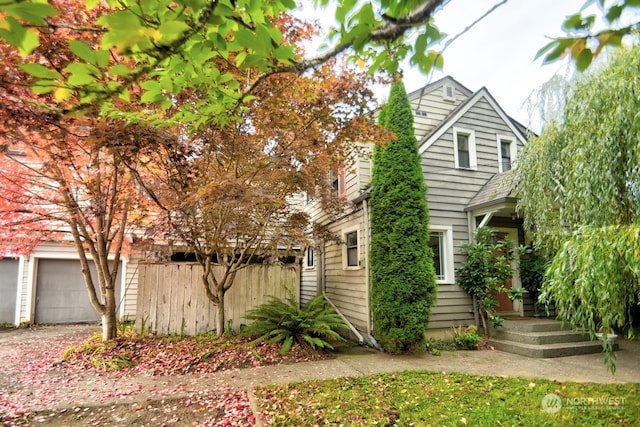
point(360, 361)
point(363, 361)
point(48, 387)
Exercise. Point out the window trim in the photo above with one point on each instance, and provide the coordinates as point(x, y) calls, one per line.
point(447, 252)
point(513, 150)
point(337, 180)
point(445, 95)
point(345, 260)
point(471, 137)
point(310, 252)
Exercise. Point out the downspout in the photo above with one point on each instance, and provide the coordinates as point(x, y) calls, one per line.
point(326, 297)
point(351, 327)
point(471, 221)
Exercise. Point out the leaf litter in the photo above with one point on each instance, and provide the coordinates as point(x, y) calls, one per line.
point(134, 380)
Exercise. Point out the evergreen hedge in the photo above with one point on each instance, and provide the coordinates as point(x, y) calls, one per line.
point(403, 282)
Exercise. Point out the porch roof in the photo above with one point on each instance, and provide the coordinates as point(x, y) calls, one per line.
point(499, 190)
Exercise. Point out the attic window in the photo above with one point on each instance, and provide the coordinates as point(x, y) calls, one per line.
point(448, 93)
point(421, 113)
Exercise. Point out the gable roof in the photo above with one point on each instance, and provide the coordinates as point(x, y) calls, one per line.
point(499, 189)
point(461, 110)
point(438, 83)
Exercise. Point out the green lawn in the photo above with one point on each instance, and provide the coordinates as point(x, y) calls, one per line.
point(439, 399)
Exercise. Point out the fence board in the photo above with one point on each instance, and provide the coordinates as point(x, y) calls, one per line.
point(191, 282)
point(162, 317)
point(171, 299)
point(151, 318)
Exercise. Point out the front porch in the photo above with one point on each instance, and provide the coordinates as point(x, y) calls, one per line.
point(494, 206)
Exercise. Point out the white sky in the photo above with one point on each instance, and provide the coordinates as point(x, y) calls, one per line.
point(498, 52)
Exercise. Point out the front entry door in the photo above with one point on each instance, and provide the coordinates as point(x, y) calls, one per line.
point(505, 305)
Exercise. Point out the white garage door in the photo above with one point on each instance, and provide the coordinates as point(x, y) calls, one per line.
point(8, 289)
point(61, 295)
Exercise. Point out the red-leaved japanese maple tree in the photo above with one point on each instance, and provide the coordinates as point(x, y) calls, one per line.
point(62, 177)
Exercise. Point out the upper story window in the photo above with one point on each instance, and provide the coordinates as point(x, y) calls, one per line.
point(351, 249)
point(336, 179)
point(463, 151)
point(448, 93)
point(506, 153)
point(464, 142)
point(441, 243)
point(310, 258)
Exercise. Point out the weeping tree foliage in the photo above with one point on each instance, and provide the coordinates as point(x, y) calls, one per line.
point(403, 282)
point(579, 184)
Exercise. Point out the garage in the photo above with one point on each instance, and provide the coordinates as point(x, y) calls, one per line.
point(61, 295)
point(8, 289)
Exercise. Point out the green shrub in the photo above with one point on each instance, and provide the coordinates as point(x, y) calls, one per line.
point(532, 268)
point(313, 326)
point(466, 339)
point(486, 267)
point(403, 282)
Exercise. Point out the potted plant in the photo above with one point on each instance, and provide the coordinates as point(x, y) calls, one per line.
point(606, 333)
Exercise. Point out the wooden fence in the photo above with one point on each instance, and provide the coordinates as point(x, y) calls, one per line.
point(171, 298)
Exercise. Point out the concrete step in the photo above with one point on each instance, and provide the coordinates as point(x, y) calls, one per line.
point(532, 325)
point(547, 350)
point(538, 338)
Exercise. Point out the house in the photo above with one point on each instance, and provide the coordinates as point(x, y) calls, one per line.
point(47, 286)
point(467, 145)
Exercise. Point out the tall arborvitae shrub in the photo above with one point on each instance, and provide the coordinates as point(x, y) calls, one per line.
point(403, 282)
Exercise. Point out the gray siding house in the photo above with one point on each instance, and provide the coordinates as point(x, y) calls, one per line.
point(467, 144)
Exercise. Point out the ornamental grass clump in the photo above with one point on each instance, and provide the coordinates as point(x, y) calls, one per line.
point(314, 326)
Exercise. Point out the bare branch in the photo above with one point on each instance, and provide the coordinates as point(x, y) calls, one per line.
point(470, 26)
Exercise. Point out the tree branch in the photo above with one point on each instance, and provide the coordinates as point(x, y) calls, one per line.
point(470, 26)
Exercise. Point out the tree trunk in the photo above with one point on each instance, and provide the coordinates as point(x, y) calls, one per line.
point(484, 324)
point(109, 319)
point(109, 326)
point(220, 314)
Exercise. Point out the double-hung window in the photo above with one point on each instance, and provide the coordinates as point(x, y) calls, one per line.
point(463, 151)
point(436, 242)
point(441, 244)
point(506, 153)
point(464, 142)
point(351, 249)
point(337, 181)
